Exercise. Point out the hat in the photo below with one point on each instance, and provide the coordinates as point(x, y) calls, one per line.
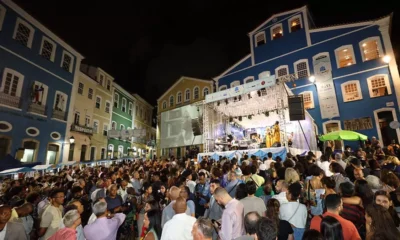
point(238, 172)
point(263, 167)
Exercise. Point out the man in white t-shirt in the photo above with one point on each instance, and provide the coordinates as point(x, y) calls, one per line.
point(281, 187)
point(269, 160)
point(52, 215)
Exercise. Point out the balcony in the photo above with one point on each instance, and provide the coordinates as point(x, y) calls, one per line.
point(12, 101)
point(37, 108)
point(82, 129)
point(138, 140)
point(57, 114)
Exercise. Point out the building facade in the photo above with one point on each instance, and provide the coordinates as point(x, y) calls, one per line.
point(142, 119)
point(185, 91)
point(37, 73)
point(121, 119)
point(347, 73)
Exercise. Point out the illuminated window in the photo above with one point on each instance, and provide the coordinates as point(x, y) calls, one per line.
point(187, 95)
point(276, 31)
point(378, 86)
point(345, 56)
point(371, 48)
point(295, 23)
point(179, 97)
point(351, 91)
point(308, 99)
point(222, 88)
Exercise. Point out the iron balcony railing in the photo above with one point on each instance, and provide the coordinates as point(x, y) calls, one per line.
point(7, 99)
point(59, 114)
point(37, 108)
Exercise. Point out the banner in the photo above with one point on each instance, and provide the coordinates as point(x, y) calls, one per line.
point(241, 89)
point(325, 88)
point(127, 133)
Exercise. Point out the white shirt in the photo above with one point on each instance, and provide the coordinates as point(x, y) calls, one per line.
point(3, 233)
point(325, 166)
point(178, 228)
point(281, 197)
point(92, 219)
point(268, 163)
point(123, 193)
point(191, 185)
point(295, 213)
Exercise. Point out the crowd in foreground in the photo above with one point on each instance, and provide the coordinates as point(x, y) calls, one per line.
point(354, 195)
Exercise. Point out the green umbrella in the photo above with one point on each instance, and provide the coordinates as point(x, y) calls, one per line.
point(343, 135)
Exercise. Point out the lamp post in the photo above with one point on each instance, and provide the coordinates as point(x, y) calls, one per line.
point(71, 140)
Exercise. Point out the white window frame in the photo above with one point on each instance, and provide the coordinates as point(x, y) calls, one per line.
point(179, 97)
point(53, 51)
point(264, 72)
point(311, 96)
point(45, 91)
point(98, 125)
point(95, 101)
point(116, 100)
point(83, 86)
point(20, 81)
point(208, 91)
point(279, 68)
point(87, 120)
point(292, 18)
point(3, 12)
point(246, 80)
point(90, 93)
point(223, 86)
point(171, 101)
point(31, 35)
point(343, 85)
point(187, 90)
point(123, 104)
point(130, 108)
point(387, 84)
point(351, 49)
point(298, 62)
point(235, 83)
point(112, 123)
point(65, 102)
point(331, 121)
point(378, 41)
point(72, 60)
point(258, 34)
point(109, 107)
point(198, 93)
point(273, 27)
point(120, 153)
point(164, 104)
point(111, 149)
point(121, 127)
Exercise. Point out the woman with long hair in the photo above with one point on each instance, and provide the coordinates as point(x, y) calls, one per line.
point(331, 229)
point(152, 222)
point(364, 191)
point(285, 230)
point(141, 203)
point(379, 222)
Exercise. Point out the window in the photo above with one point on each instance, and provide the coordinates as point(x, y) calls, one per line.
point(76, 118)
point(137, 111)
point(301, 68)
point(105, 129)
point(130, 109)
point(101, 80)
point(67, 61)
point(141, 112)
point(121, 127)
point(2, 15)
point(196, 93)
point(98, 102)
point(260, 39)
point(80, 88)
point(264, 74)
point(179, 97)
point(114, 126)
point(32, 131)
point(116, 100)
point(187, 95)
point(295, 23)
point(164, 105)
point(206, 91)
point(308, 99)
point(90, 93)
point(171, 101)
point(107, 108)
point(248, 79)
point(95, 126)
point(48, 49)
point(87, 121)
point(378, 86)
point(123, 105)
point(31, 147)
point(282, 71)
point(345, 56)
point(351, 91)
point(235, 83)
point(276, 31)
point(371, 48)
point(60, 103)
point(39, 95)
point(222, 88)
point(23, 33)
point(12, 83)
point(108, 85)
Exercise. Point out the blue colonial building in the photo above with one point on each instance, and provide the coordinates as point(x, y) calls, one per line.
point(37, 71)
point(347, 73)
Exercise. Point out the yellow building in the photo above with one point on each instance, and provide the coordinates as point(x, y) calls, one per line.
point(142, 119)
point(183, 92)
point(102, 110)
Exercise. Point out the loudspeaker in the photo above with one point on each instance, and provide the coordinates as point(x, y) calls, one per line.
point(276, 144)
point(196, 127)
point(296, 108)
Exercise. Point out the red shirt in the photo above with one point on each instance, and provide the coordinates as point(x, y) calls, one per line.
point(64, 234)
point(349, 230)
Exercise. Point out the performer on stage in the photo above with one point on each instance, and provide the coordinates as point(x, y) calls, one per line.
point(276, 133)
point(268, 138)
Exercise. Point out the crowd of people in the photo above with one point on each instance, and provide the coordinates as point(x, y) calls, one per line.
point(349, 195)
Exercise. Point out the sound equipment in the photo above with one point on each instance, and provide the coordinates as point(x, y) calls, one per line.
point(296, 108)
point(276, 144)
point(196, 127)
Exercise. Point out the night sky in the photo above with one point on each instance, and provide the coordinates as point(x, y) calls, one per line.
point(148, 45)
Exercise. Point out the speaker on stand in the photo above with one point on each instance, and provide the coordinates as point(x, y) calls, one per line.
point(296, 108)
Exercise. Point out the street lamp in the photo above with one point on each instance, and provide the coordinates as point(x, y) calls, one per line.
point(71, 140)
point(386, 59)
point(311, 79)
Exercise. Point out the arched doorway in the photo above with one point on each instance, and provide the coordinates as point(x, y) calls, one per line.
point(386, 134)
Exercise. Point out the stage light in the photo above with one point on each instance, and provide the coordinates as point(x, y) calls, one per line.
point(240, 98)
point(249, 96)
point(218, 103)
point(386, 59)
point(240, 118)
point(235, 99)
point(249, 117)
point(230, 119)
point(226, 101)
point(267, 114)
point(311, 79)
point(259, 93)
